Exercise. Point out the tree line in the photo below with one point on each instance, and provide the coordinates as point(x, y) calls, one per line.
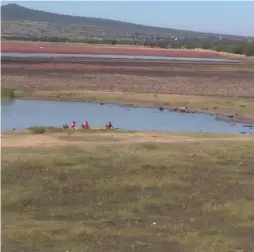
point(243, 49)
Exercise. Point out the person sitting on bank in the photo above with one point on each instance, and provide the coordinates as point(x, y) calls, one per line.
point(65, 126)
point(73, 125)
point(109, 125)
point(85, 125)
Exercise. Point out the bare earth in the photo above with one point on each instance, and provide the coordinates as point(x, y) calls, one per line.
point(61, 139)
point(184, 78)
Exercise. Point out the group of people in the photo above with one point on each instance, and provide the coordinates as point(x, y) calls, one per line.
point(86, 125)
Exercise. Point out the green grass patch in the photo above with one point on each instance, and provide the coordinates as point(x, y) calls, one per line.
point(131, 197)
point(7, 93)
point(43, 130)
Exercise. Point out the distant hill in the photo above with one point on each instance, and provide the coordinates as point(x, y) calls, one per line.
point(21, 21)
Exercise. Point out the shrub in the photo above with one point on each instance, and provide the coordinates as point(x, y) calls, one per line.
point(7, 93)
point(37, 130)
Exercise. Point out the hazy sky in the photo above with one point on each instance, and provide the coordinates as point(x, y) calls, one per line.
point(219, 17)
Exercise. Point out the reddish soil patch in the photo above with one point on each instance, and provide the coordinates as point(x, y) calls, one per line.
point(79, 68)
point(51, 68)
point(67, 66)
point(72, 49)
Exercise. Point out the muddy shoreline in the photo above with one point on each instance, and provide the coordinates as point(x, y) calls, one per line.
point(207, 79)
point(220, 116)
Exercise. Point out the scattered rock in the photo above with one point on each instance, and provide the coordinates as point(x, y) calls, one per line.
point(248, 125)
point(161, 109)
point(129, 105)
point(241, 163)
point(175, 109)
point(141, 244)
point(182, 109)
point(191, 154)
point(101, 103)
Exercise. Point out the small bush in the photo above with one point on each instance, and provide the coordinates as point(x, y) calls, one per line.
point(7, 93)
point(37, 130)
point(42, 129)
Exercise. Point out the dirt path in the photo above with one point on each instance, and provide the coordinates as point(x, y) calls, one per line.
point(63, 139)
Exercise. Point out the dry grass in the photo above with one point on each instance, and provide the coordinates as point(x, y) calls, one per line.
point(109, 194)
point(51, 136)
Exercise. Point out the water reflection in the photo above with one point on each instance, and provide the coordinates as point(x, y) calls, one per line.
point(113, 56)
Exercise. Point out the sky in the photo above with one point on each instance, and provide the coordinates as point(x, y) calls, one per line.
point(216, 16)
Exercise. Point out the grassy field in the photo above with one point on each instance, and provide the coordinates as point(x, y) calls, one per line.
point(127, 191)
point(217, 105)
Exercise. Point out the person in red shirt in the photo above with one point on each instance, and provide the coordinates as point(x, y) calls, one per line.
point(73, 125)
point(85, 125)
